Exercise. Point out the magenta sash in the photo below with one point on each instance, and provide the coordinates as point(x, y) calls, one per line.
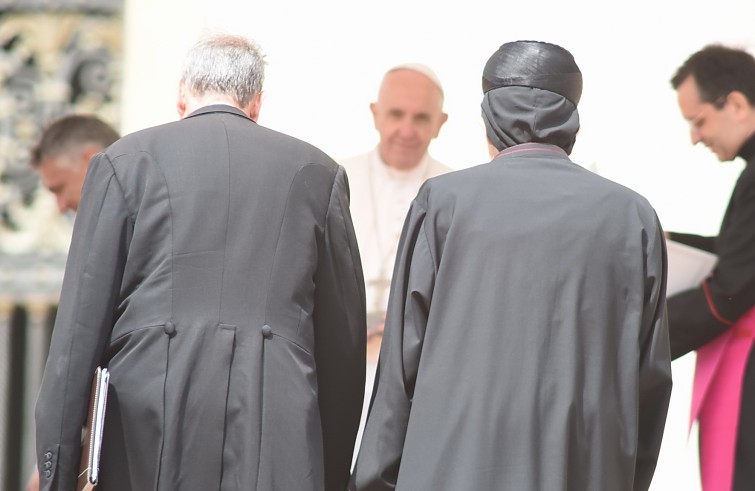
point(716, 397)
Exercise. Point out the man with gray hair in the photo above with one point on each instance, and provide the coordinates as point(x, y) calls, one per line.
point(526, 346)
point(215, 272)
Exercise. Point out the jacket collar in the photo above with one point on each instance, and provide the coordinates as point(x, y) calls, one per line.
point(532, 148)
point(219, 108)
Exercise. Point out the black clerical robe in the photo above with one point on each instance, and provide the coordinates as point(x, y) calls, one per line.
point(526, 345)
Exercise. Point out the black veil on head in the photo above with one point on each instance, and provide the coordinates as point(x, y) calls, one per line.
point(531, 91)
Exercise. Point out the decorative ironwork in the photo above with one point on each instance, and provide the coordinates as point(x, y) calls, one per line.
point(104, 6)
point(51, 64)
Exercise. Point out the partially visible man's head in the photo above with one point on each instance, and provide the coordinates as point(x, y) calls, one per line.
point(716, 94)
point(530, 94)
point(408, 114)
point(62, 155)
point(222, 69)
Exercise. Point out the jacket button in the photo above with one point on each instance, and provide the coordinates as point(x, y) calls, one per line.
point(267, 331)
point(169, 328)
point(48, 455)
point(48, 473)
point(48, 464)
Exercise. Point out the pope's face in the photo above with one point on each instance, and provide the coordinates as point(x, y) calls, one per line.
point(408, 115)
point(719, 129)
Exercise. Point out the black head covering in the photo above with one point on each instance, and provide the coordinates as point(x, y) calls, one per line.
point(531, 90)
point(534, 64)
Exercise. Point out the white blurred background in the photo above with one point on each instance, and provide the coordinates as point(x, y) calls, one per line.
point(326, 58)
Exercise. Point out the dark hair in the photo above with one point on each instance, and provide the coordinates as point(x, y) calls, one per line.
point(719, 70)
point(69, 131)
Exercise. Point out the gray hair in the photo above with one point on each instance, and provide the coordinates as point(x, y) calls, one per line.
point(227, 65)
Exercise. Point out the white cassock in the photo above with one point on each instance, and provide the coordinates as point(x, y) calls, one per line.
point(380, 199)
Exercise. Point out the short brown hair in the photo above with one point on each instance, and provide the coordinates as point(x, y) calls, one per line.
point(69, 131)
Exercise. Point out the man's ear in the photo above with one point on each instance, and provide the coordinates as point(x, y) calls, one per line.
point(181, 103)
point(740, 105)
point(441, 122)
point(253, 108)
point(89, 152)
point(373, 110)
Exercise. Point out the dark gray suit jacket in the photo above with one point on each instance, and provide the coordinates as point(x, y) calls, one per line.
point(215, 271)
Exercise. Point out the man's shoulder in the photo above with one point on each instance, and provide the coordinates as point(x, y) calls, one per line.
point(291, 147)
point(136, 140)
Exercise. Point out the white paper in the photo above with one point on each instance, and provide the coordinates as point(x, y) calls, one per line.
point(98, 425)
point(687, 266)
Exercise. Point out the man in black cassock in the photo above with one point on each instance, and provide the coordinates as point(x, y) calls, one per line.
point(716, 93)
point(526, 344)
